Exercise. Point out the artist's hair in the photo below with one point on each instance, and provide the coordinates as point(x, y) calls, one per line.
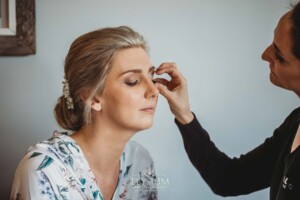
point(295, 32)
point(86, 67)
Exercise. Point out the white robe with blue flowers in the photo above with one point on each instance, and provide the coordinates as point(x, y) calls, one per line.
point(57, 169)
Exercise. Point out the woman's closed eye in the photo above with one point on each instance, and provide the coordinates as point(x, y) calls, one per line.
point(132, 83)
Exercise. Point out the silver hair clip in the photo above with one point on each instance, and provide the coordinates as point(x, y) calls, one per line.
point(67, 96)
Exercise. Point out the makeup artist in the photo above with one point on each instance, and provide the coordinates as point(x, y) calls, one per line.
point(276, 162)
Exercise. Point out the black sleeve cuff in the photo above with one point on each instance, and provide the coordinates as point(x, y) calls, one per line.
point(191, 132)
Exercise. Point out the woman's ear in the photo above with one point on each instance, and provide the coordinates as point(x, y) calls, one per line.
point(96, 103)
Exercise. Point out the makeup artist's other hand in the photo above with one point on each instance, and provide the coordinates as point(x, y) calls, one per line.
point(175, 91)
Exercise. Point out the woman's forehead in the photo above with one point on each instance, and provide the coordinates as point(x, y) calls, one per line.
point(132, 58)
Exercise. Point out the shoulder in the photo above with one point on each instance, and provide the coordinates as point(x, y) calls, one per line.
point(46, 154)
point(285, 130)
point(294, 114)
point(292, 119)
point(137, 149)
point(37, 169)
point(136, 152)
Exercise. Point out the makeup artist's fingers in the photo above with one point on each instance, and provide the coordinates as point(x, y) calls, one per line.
point(171, 69)
point(163, 90)
point(161, 81)
point(175, 91)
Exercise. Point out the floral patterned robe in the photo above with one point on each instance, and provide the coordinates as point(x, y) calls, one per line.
point(57, 169)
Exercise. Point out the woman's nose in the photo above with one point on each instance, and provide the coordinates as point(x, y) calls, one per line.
point(152, 90)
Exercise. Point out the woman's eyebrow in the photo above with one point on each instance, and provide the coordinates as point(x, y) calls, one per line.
point(151, 69)
point(131, 71)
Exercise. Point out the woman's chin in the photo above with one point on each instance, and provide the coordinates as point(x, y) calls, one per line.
point(146, 125)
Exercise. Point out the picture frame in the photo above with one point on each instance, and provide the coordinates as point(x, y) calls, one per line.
point(19, 37)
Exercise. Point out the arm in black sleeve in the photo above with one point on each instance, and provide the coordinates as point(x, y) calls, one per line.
point(230, 176)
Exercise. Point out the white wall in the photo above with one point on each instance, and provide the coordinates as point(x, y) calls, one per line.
point(217, 45)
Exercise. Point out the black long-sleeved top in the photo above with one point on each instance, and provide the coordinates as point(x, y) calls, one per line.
point(269, 165)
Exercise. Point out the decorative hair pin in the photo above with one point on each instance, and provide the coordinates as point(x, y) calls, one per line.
point(66, 91)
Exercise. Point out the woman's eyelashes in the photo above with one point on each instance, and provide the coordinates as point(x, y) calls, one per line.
point(131, 83)
point(135, 81)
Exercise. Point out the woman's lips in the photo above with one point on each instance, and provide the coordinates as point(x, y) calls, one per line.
point(150, 109)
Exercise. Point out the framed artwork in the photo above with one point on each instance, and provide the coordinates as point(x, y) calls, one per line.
point(17, 27)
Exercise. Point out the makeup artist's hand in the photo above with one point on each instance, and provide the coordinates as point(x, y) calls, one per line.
point(175, 91)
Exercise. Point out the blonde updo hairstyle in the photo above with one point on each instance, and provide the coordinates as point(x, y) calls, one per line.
point(86, 67)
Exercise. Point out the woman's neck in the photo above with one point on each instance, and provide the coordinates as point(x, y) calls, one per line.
point(101, 146)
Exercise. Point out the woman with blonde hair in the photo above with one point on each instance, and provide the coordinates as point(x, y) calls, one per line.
point(108, 96)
